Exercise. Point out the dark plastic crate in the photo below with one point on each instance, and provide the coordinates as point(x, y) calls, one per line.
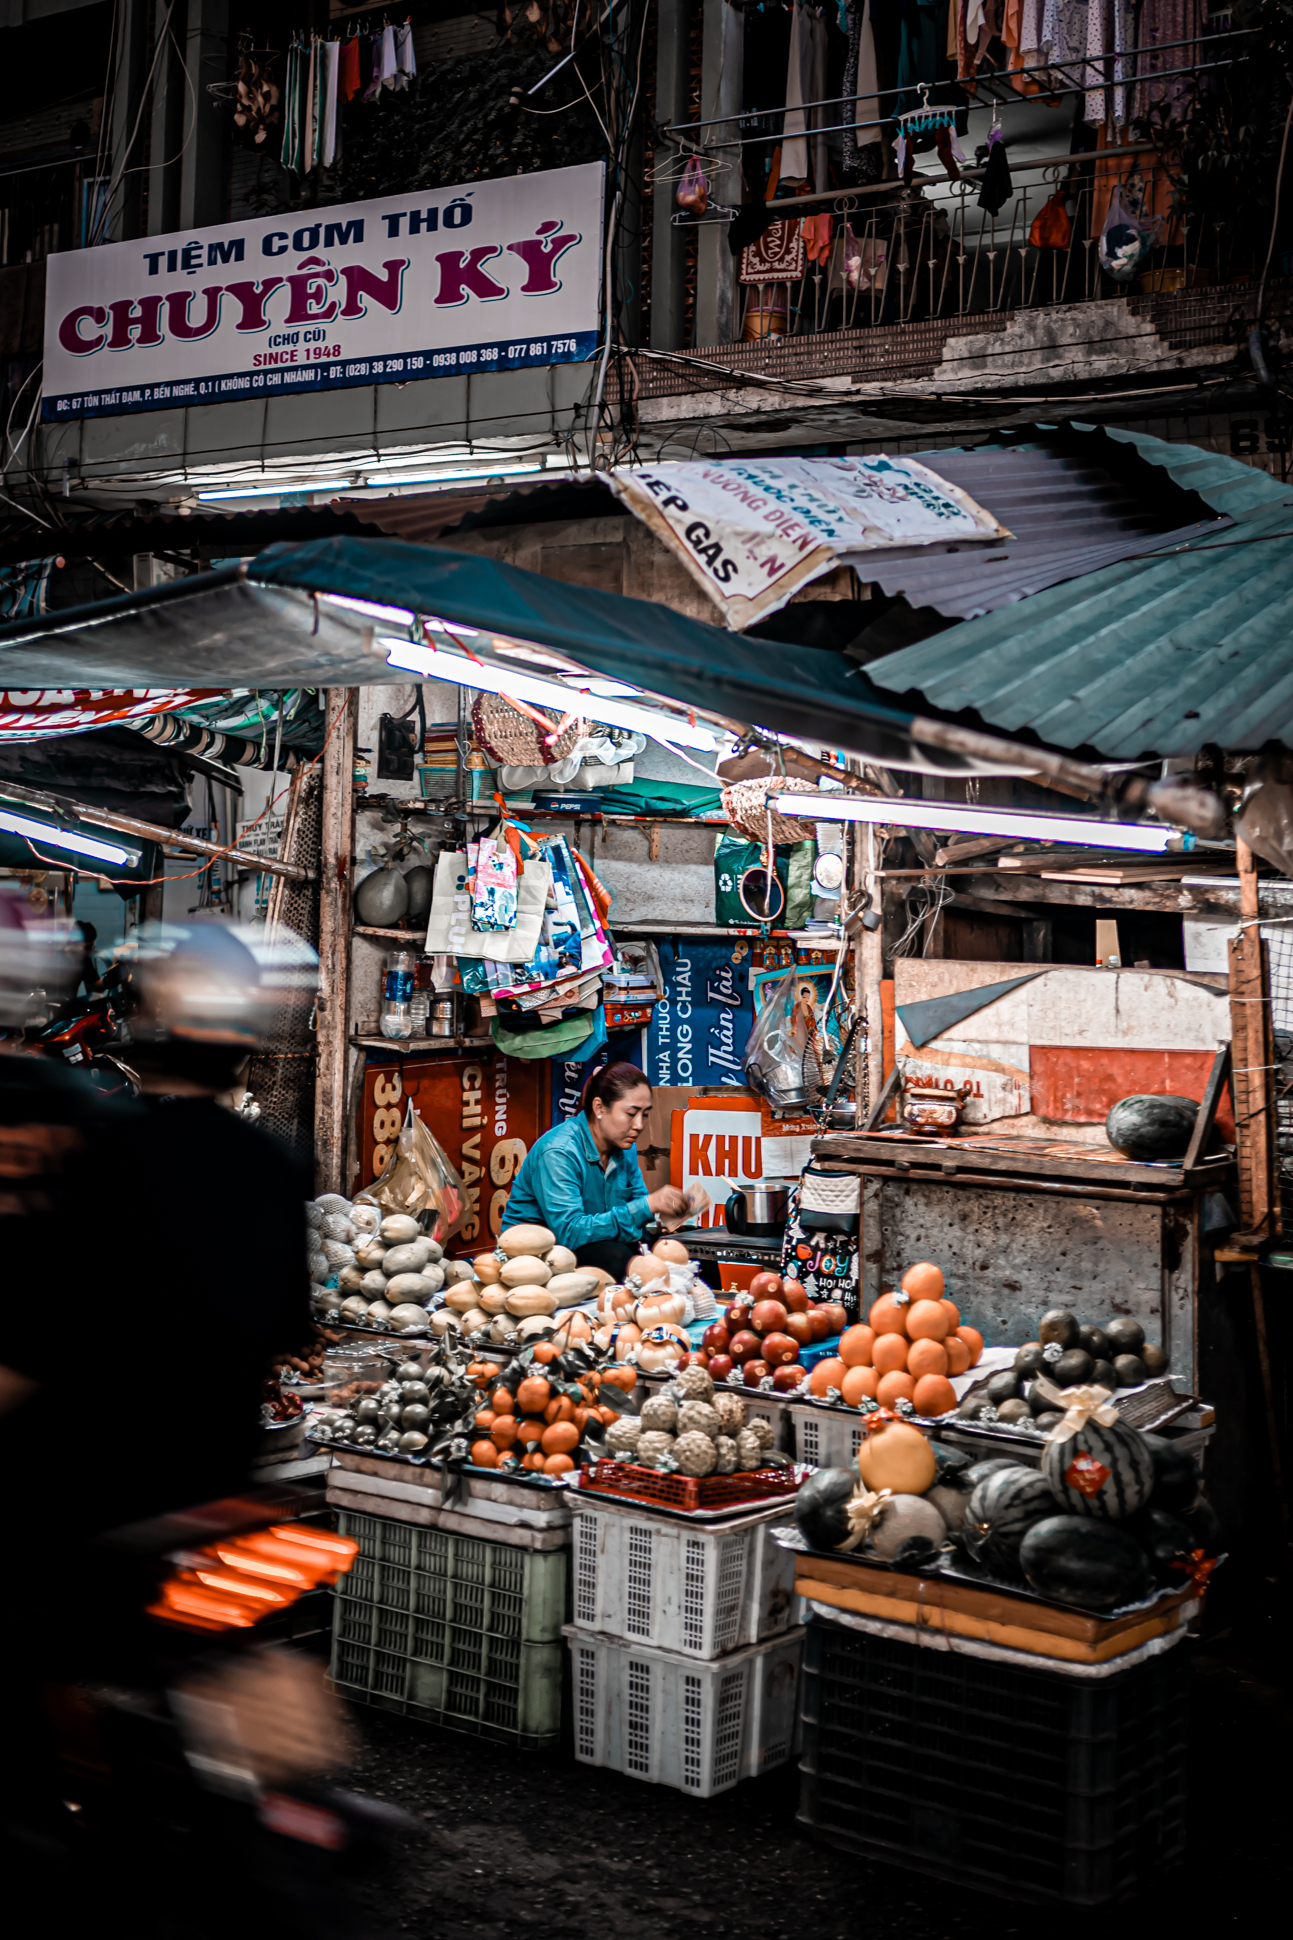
point(1032, 1784)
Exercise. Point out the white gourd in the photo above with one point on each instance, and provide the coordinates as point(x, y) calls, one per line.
point(902, 1516)
point(374, 1284)
point(434, 1277)
point(434, 1249)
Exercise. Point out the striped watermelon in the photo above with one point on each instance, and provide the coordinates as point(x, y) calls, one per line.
point(1100, 1471)
point(1001, 1511)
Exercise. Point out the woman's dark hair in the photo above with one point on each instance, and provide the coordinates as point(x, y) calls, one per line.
point(610, 1083)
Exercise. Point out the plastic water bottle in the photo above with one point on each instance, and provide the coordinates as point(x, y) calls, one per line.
point(423, 992)
point(397, 994)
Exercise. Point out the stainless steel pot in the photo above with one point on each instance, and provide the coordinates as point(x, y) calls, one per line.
point(444, 1015)
point(759, 1211)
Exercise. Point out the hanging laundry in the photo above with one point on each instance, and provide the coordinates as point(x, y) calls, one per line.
point(805, 82)
point(819, 233)
point(294, 97)
point(374, 86)
point(1111, 30)
point(1064, 37)
point(406, 65)
point(1162, 23)
point(350, 83)
point(861, 91)
point(389, 64)
point(996, 188)
point(331, 86)
point(777, 255)
point(309, 76)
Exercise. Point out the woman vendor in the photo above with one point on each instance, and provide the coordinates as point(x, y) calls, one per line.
point(582, 1179)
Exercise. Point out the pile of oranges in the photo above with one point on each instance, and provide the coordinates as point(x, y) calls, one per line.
point(912, 1342)
point(537, 1422)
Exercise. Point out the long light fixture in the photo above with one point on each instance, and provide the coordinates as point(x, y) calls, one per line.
point(371, 609)
point(435, 665)
point(287, 488)
point(54, 838)
point(1012, 825)
point(458, 474)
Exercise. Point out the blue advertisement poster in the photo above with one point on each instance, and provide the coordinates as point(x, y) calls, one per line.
point(697, 1036)
point(568, 1080)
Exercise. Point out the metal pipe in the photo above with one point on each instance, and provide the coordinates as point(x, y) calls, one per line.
point(107, 818)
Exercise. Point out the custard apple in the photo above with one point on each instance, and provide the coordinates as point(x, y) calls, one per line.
point(623, 1435)
point(725, 1450)
point(659, 1412)
point(695, 1453)
point(694, 1384)
point(730, 1410)
point(749, 1450)
point(699, 1417)
point(653, 1444)
point(761, 1429)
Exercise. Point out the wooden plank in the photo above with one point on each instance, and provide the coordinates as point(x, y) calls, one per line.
point(893, 1155)
point(1252, 1074)
point(338, 835)
point(1207, 1115)
point(1010, 1636)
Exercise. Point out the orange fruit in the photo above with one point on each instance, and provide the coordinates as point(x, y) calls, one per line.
point(924, 1281)
point(888, 1316)
point(926, 1357)
point(856, 1345)
point(890, 1356)
point(484, 1454)
point(895, 1387)
point(958, 1354)
point(928, 1320)
point(530, 1429)
point(559, 1464)
point(501, 1402)
point(621, 1377)
point(482, 1373)
point(581, 1418)
point(827, 1374)
point(859, 1381)
point(955, 1311)
point(605, 1415)
point(534, 1462)
point(503, 1433)
point(560, 1438)
point(973, 1340)
point(485, 1419)
point(934, 1395)
point(533, 1395)
point(560, 1408)
point(546, 1352)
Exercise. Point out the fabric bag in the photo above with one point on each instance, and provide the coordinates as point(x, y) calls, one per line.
point(1052, 225)
point(829, 1202)
point(824, 1265)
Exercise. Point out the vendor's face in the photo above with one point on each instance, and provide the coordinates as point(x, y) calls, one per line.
point(623, 1123)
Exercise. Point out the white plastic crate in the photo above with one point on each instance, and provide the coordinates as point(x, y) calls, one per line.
point(696, 1725)
point(697, 1589)
point(825, 1437)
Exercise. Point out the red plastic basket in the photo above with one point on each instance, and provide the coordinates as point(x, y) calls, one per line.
point(686, 1491)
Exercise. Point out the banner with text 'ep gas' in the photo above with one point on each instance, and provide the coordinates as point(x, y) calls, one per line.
point(493, 276)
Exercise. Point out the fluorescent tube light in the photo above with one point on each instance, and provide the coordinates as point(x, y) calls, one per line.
point(1012, 825)
point(53, 838)
point(455, 475)
point(279, 491)
point(372, 609)
point(435, 665)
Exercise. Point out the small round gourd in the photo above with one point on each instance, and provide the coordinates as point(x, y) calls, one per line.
point(896, 1456)
point(902, 1517)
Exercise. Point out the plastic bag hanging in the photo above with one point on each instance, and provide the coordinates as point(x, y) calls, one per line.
point(419, 1179)
point(774, 1051)
point(1052, 225)
point(693, 189)
point(1127, 238)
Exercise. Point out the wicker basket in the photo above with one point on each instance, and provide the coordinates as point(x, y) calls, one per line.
point(512, 739)
point(745, 806)
point(639, 1484)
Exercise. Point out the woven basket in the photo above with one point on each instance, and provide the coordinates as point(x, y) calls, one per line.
point(744, 804)
point(512, 740)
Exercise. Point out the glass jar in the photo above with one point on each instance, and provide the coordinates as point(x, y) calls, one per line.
point(398, 972)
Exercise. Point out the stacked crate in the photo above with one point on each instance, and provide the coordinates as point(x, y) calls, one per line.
point(684, 1648)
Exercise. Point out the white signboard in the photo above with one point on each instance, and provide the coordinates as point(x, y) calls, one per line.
point(752, 532)
point(444, 282)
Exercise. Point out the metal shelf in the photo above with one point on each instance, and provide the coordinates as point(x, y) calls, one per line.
point(403, 1045)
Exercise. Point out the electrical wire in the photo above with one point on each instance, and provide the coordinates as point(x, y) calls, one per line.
point(1275, 219)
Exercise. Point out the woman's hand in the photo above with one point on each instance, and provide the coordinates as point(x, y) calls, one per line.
point(669, 1201)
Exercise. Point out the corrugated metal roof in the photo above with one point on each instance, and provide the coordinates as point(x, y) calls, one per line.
point(1144, 659)
point(1069, 515)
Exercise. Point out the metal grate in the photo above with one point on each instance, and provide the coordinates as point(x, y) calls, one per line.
point(586, 1701)
point(731, 1587)
point(810, 1443)
point(639, 1716)
point(693, 1594)
point(585, 1569)
point(727, 1727)
point(638, 1612)
point(693, 1712)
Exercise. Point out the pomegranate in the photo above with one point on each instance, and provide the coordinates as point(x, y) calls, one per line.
point(755, 1371)
point(765, 1286)
point(839, 1316)
point(738, 1315)
point(820, 1322)
point(794, 1297)
point(721, 1367)
point(799, 1326)
point(786, 1379)
point(715, 1339)
point(780, 1349)
point(744, 1346)
point(768, 1317)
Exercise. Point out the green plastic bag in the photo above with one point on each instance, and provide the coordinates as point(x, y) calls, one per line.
point(794, 861)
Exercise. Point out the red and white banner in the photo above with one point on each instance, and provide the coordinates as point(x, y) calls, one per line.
point(33, 714)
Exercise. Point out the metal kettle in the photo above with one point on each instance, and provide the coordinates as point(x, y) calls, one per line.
point(759, 1211)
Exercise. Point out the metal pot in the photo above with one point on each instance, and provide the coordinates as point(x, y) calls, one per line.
point(759, 1211)
point(444, 1014)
